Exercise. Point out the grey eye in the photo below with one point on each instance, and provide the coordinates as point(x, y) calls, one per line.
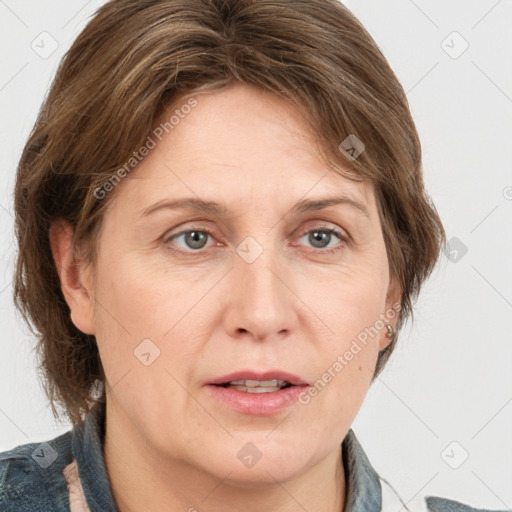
point(319, 238)
point(322, 238)
point(193, 239)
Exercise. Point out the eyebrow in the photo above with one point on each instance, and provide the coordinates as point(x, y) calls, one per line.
point(218, 209)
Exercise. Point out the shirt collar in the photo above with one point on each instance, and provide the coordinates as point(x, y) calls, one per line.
point(363, 491)
point(87, 448)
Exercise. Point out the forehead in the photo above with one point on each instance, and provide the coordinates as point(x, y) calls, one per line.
point(239, 145)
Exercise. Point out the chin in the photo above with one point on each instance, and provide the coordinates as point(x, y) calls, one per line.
point(263, 476)
point(256, 464)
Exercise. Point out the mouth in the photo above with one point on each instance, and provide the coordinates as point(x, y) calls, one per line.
point(257, 386)
point(254, 393)
point(251, 380)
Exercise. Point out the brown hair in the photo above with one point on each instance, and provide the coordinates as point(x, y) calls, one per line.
point(133, 58)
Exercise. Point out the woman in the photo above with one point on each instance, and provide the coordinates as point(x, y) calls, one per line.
point(222, 225)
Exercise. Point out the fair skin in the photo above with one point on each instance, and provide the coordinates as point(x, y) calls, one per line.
point(169, 444)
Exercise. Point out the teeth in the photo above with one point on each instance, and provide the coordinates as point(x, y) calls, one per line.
point(258, 389)
point(259, 383)
point(257, 386)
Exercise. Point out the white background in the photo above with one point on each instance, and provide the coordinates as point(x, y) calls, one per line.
point(450, 377)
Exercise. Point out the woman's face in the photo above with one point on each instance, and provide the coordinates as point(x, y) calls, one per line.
point(252, 282)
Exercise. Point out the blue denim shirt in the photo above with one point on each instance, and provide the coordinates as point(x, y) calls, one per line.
point(41, 477)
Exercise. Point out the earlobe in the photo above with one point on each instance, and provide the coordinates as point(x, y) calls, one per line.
point(73, 275)
point(392, 314)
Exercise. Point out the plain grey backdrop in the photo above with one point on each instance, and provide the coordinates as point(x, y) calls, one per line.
point(439, 419)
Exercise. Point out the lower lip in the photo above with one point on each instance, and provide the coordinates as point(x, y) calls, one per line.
point(259, 404)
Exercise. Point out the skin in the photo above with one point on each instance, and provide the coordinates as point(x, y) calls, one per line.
point(210, 312)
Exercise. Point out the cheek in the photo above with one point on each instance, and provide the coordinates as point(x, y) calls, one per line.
point(130, 316)
point(348, 303)
point(137, 316)
point(137, 302)
point(148, 327)
point(351, 313)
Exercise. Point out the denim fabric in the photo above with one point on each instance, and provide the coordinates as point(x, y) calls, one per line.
point(32, 475)
point(363, 492)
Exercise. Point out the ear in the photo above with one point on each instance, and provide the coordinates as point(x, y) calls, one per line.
point(392, 312)
point(75, 278)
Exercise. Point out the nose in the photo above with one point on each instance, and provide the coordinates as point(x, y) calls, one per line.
point(261, 304)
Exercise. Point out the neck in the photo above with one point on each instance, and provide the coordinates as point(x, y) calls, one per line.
point(141, 478)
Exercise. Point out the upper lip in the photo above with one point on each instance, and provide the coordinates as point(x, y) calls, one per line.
point(267, 375)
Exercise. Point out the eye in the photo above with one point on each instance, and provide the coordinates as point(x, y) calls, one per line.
point(194, 239)
point(322, 236)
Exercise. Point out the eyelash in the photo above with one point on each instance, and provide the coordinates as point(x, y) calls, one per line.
point(327, 229)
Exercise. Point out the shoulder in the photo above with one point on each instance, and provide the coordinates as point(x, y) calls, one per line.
point(31, 475)
point(420, 503)
point(438, 504)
